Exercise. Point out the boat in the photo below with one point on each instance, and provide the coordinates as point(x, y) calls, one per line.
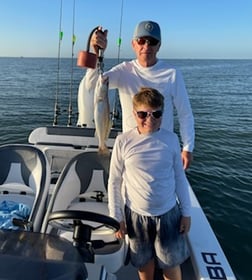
point(71, 153)
point(68, 233)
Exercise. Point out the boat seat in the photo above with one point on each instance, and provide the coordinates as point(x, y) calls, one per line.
point(82, 186)
point(25, 179)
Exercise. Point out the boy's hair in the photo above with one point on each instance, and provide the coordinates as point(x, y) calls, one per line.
point(150, 97)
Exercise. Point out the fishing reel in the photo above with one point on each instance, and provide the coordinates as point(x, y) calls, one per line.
point(88, 59)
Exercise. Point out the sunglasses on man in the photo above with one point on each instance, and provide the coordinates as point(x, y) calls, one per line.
point(149, 41)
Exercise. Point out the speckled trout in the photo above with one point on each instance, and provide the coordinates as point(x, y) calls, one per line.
point(102, 113)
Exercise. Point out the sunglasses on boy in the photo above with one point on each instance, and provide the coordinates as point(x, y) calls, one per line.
point(155, 114)
point(150, 41)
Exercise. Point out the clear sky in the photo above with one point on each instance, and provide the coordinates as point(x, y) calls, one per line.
point(190, 28)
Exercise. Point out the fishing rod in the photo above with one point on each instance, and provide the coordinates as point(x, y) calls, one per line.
point(57, 105)
point(119, 41)
point(70, 107)
point(115, 112)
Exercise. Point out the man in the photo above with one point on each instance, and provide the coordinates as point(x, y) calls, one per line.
point(148, 71)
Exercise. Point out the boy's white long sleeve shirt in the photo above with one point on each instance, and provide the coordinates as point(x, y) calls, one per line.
point(146, 174)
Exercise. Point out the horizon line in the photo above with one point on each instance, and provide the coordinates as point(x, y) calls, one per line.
point(132, 58)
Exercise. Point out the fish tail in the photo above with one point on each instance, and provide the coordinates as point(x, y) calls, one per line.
point(103, 150)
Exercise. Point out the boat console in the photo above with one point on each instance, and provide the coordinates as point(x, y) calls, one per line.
point(32, 255)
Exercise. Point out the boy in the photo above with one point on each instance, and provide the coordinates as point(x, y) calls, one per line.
point(146, 161)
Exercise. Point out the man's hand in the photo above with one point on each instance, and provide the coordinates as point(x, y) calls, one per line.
point(187, 158)
point(99, 40)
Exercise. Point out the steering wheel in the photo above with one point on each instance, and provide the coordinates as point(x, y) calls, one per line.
point(82, 223)
point(59, 219)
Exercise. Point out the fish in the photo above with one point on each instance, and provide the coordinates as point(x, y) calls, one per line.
point(102, 118)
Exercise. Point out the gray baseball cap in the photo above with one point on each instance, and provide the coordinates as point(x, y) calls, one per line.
point(147, 29)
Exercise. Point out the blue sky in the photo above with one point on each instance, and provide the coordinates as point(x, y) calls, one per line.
point(190, 28)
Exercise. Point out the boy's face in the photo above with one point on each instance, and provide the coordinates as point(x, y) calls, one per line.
point(148, 119)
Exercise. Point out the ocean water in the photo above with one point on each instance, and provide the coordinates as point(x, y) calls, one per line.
point(221, 96)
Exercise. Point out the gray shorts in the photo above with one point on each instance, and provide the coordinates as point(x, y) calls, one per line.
point(156, 238)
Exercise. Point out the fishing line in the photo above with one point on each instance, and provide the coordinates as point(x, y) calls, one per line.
point(56, 105)
point(70, 109)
